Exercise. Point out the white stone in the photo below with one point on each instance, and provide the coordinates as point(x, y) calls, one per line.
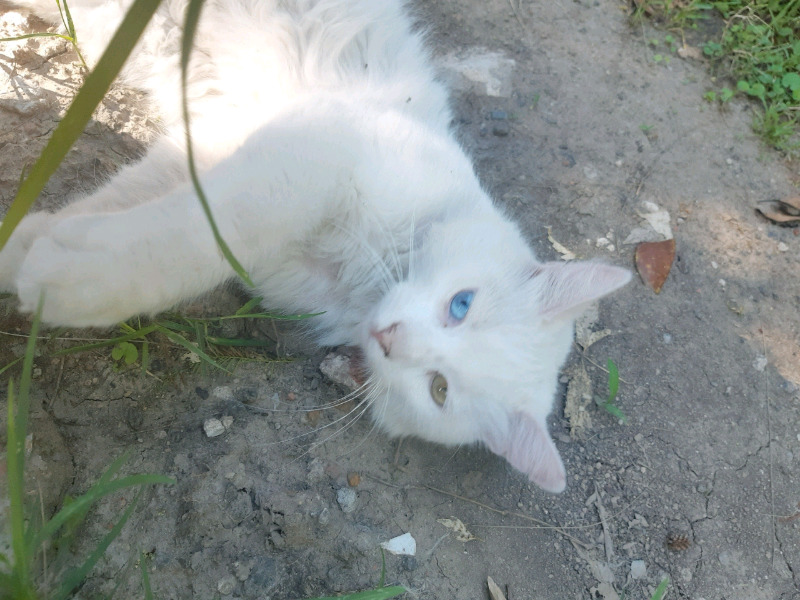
point(213, 427)
point(638, 569)
point(404, 545)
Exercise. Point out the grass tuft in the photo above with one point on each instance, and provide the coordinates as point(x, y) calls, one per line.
point(757, 49)
point(20, 576)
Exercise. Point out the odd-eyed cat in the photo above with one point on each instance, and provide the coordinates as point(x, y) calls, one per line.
point(323, 139)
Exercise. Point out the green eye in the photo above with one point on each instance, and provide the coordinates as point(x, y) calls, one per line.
point(439, 389)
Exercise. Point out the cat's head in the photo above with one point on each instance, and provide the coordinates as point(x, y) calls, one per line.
point(468, 348)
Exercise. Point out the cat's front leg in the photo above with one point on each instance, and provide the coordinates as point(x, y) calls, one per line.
point(13, 253)
point(104, 268)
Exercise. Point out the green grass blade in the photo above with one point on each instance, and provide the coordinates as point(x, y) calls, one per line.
point(219, 341)
point(615, 411)
point(25, 380)
point(16, 492)
point(175, 326)
point(661, 589)
point(92, 495)
point(179, 339)
point(378, 594)
point(264, 315)
point(79, 112)
point(75, 576)
point(26, 36)
point(249, 305)
point(148, 592)
point(112, 342)
point(189, 28)
point(9, 365)
point(15, 458)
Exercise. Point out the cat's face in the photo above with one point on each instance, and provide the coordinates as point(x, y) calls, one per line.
point(469, 347)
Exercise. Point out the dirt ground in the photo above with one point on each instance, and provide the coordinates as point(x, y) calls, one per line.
point(573, 125)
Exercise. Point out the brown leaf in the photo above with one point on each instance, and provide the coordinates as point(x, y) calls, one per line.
point(782, 212)
point(654, 261)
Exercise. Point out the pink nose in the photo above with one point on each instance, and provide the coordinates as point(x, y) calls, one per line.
point(385, 337)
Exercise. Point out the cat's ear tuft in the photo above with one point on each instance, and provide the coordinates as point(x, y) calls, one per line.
point(564, 289)
point(528, 447)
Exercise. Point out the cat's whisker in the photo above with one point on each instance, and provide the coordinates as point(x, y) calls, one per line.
point(379, 262)
point(411, 243)
point(391, 247)
point(361, 409)
point(301, 409)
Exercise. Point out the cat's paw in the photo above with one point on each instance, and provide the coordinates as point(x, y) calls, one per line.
point(13, 253)
point(85, 282)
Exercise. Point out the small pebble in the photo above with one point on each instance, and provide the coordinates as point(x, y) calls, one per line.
point(498, 115)
point(227, 421)
point(638, 569)
point(501, 129)
point(346, 497)
point(353, 479)
point(213, 427)
point(226, 585)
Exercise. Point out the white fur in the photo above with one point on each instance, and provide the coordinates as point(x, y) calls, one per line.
point(323, 139)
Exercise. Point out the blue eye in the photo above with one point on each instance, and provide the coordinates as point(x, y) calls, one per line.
point(460, 303)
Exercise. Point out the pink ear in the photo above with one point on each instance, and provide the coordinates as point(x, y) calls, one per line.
point(528, 447)
point(568, 287)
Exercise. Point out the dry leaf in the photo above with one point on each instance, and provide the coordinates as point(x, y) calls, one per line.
point(678, 542)
point(654, 261)
point(561, 249)
point(658, 218)
point(782, 212)
point(494, 590)
point(579, 395)
point(462, 535)
point(692, 52)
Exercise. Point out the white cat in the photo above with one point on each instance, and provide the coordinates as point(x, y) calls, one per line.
point(323, 138)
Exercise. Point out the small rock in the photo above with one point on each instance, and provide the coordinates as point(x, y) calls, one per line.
point(498, 115)
point(227, 421)
point(353, 479)
point(725, 558)
point(223, 392)
point(346, 497)
point(638, 569)
point(213, 427)
point(501, 129)
point(202, 392)
point(760, 363)
point(243, 569)
point(403, 545)
point(226, 585)
point(337, 367)
point(408, 563)
point(783, 247)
